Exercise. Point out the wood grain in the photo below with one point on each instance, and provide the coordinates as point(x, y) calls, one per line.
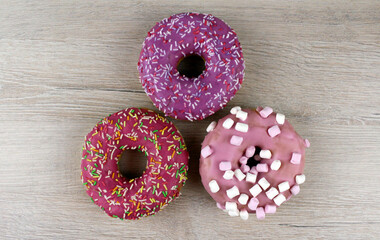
point(66, 64)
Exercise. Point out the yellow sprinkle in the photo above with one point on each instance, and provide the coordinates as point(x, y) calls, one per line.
point(165, 187)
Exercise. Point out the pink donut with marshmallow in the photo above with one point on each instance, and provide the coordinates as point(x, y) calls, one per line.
point(252, 161)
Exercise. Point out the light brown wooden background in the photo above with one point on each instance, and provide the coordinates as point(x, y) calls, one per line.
point(66, 64)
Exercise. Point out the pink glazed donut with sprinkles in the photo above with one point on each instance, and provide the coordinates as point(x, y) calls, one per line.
point(180, 36)
point(147, 132)
point(252, 161)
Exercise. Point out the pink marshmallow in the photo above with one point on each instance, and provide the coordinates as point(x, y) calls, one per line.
point(245, 168)
point(236, 140)
point(295, 189)
point(206, 151)
point(307, 143)
point(253, 170)
point(296, 158)
point(262, 167)
point(243, 160)
point(274, 131)
point(270, 208)
point(260, 213)
point(253, 203)
point(220, 206)
point(266, 112)
point(250, 151)
point(224, 166)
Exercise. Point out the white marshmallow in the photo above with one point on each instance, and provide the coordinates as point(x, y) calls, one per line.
point(300, 179)
point(243, 199)
point(214, 187)
point(279, 199)
point(264, 183)
point(233, 192)
point(276, 164)
point(242, 115)
point(231, 206)
point(251, 177)
point(282, 187)
point(244, 214)
point(234, 110)
point(271, 193)
point(227, 124)
point(239, 174)
point(280, 118)
point(266, 154)
point(241, 127)
point(211, 126)
point(255, 190)
point(228, 175)
point(233, 213)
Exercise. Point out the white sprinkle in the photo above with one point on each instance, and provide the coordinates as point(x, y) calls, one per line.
point(266, 154)
point(271, 193)
point(241, 127)
point(251, 177)
point(211, 126)
point(244, 214)
point(255, 190)
point(214, 187)
point(228, 175)
point(243, 199)
point(280, 118)
point(264, 183)
point(300, 179)
point(239, 174)
point(231, 206)
point(279, 199)
point(234, 110)
point(242, 115)
point(283, 186)
point(276, 164)
point(227, 124)
point(233, 192)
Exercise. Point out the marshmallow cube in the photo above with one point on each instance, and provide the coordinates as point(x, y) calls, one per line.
point(214, 187)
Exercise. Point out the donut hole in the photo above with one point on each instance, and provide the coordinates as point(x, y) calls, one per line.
point(191, 66)
point(255, 159)
point(132, 164)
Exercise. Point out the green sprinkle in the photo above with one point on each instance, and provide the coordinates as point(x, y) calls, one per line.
point(89, 142)
point(100, 194)
point(96, 165)
point(92, 200)
point(182, 167)
point(117, 125)
point(85, 168)
point(132, 110)
point(95, 183)
point(141, 124)
point(173, 132)
point(85, 156)
point(154, 189)
point(145, 138)
point(164, 193)
point(176, 174)
point(155, 131)
point(179, 153)
point(170, 166)
point(114, 216)
point(103, 208)
point(85, 183)
point(88, 151)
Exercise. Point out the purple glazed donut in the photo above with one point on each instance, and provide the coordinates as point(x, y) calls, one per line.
point(167, 159)
point(178, 37)
point(252, 161)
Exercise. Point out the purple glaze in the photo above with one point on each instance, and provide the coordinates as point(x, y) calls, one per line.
point(187, 34)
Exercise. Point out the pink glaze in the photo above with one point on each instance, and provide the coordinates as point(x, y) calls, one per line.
point(282, 148)
point(166, 155)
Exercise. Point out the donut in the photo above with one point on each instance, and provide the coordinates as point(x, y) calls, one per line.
point(167, 163)
point(252, 161)
point(187, 35)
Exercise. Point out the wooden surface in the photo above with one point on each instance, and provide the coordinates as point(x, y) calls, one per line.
point(66, 64)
